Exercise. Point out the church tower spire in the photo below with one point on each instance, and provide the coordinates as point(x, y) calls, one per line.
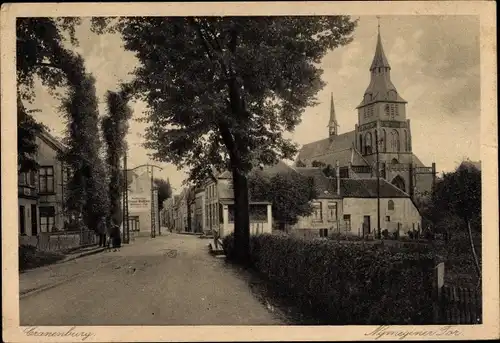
point(380, 87)
point(379, 60)
point(332, 124)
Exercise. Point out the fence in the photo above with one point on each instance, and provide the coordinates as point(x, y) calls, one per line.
point(459, 305)
point(60, 241)
point(455, 305)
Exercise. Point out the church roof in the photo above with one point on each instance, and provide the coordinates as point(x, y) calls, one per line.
point(326, 146)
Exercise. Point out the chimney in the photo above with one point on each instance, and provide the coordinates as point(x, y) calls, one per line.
point(337, 173)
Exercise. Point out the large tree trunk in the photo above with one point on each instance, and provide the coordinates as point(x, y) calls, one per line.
point(241, 217)
point(474, 255)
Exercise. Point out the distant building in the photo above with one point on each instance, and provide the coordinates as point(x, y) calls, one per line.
point(349, 206)
point(41, 192)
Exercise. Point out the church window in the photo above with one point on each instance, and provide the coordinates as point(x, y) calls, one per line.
point(405, 140)
point(394, 141)
point(384, 140)
point(397, 109)
point(368, 143)
point(361, 143)
point(394, 161)
point(390, 205)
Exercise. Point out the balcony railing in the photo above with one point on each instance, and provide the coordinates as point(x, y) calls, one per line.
point(361, 169)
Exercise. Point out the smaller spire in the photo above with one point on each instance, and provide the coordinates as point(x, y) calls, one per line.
point(333, 118)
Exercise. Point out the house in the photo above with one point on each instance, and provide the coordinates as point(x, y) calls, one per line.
point(219, 203)
point(383, 132)
point(199, 210)
point(140, 201)
point(349, 206)
point(41, 193)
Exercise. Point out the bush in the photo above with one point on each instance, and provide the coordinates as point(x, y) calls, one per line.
point(345, 284)
point(385, 233)
point(30, 257)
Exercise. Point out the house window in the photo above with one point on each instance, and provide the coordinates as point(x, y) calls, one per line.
point(387, 218)
point(46, 179)
point(47, 218)
point(390, 205)
point(317, 212)
point(323, 232)
point(332, 211)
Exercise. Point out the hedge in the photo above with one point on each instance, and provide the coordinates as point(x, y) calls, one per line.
point(30, 257)
point(342, 284)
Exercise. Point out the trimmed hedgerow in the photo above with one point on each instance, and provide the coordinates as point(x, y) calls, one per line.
point(343, 284)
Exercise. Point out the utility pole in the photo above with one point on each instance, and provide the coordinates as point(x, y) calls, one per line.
point(378, 184)
point(153, 221)
point(154, 211)
point(125, 226)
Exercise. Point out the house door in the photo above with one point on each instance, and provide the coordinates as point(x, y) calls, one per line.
point(22, 223)
point(34, 221)
point(366, 225)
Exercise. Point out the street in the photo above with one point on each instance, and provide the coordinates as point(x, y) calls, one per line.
point(168, 280)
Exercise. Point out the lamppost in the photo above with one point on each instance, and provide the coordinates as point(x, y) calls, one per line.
point(154, 213)
point(377, 142)
point(126, 228)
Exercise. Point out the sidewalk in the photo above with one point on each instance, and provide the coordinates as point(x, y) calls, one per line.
point(53, 274)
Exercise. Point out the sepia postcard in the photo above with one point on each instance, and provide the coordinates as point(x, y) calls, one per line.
point(249, 171)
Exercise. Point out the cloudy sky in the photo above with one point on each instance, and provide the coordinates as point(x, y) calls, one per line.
point(435, 67)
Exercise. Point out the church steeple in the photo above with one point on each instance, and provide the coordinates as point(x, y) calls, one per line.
point(332, 124)
point(379, 60)
point(380, 87)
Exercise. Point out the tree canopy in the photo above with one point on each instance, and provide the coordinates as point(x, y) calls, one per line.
point(40, 53)
point(459, 193)
point(115, 128)
point(164, 190)
point(289, 192)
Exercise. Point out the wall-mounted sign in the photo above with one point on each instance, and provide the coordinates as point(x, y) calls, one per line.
point(139, 203)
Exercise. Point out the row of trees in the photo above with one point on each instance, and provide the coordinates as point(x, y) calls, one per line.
point(222, 90)
point(94, 186)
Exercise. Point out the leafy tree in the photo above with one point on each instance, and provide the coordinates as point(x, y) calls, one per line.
point(289, 192)
point(222, 90)
point(27, 129)
point(115, 127)
point(39, 53)
point(318, 164)
point(87, 187)
point(300, 164)
point(459, 194)
point(164, 190)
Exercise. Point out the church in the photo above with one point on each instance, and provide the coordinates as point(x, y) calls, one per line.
point(382, 134)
